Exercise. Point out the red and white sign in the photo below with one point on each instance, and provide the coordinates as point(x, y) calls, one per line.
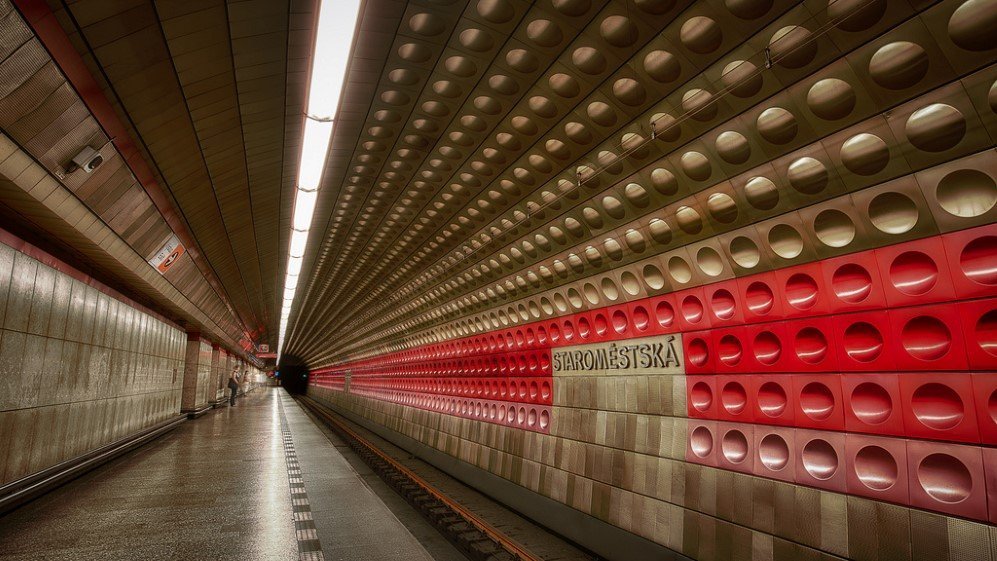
point(167, 255)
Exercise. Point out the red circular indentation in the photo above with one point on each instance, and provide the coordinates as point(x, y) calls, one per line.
point(759, 298)
point(733, 398)
point(937, 406)
point(944, 478)
point(734, 446)
point(767, 348)
point(819, 459)
point(772, 399)
point(555, 333)
point(816, 401)
point(545, 391)
point(692, 309)
point(698, 352)
point(701, 396)
point(641, 318)
point(534, 390)
point(701, 441)
point(729, 350)
point(926, 338)
point(541, 335)
point(986, 332)
point(913, 273)
point(532, 419)
point(568, 330)
point(811, 345)
point(773, 452)
point(863, 342)
point(876, 468)
point(723, 304)
point(801, 291)
point(584, 327)
point(620, 321)
point(601, 325)
point(851, 283)
point(979, 260)
point(871, 403)
point(664, 313)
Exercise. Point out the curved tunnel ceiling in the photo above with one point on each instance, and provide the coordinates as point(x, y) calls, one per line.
point(197, 108)
point(523, 160)
point(502, 161)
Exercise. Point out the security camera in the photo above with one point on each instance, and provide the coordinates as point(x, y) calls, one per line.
point(88, 159)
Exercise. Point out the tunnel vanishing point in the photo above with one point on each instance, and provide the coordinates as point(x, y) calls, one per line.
point(536, 280)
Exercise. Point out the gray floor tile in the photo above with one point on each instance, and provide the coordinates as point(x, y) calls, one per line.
point(215, 488)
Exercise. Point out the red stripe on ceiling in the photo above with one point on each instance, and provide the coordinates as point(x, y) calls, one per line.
point(48, 30)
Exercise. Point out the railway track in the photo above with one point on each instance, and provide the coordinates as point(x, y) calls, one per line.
point(475, 537)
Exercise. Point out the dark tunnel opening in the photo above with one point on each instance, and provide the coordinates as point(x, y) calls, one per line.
point(293, 374)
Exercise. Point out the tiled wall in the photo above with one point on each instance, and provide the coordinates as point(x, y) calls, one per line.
point(616, 451)
point(839, 408)
point(219, 359)
point(206, 380)
point(781, 424)
point(78, 368)
point(199, 386)
point(819, 244)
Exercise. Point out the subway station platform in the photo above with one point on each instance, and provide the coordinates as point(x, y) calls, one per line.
point(525, 280)
point(255, 481)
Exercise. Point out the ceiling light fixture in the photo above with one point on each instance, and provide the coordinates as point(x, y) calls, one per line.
point(337, 21)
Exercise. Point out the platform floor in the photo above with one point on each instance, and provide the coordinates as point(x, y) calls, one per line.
point(218, 487)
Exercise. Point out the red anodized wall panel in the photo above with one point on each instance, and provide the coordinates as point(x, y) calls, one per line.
point(870, 373)
point(876, 380)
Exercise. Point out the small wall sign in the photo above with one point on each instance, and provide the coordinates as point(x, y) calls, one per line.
point(168, 254)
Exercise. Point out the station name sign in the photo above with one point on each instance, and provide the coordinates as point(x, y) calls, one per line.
point(651, 355)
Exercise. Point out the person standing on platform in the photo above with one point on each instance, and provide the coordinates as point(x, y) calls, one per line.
point(233, 386)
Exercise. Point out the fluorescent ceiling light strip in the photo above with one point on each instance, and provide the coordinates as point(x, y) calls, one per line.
point(304, 208)
point(299, 239)
point(337, 22)
point(313, 149)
